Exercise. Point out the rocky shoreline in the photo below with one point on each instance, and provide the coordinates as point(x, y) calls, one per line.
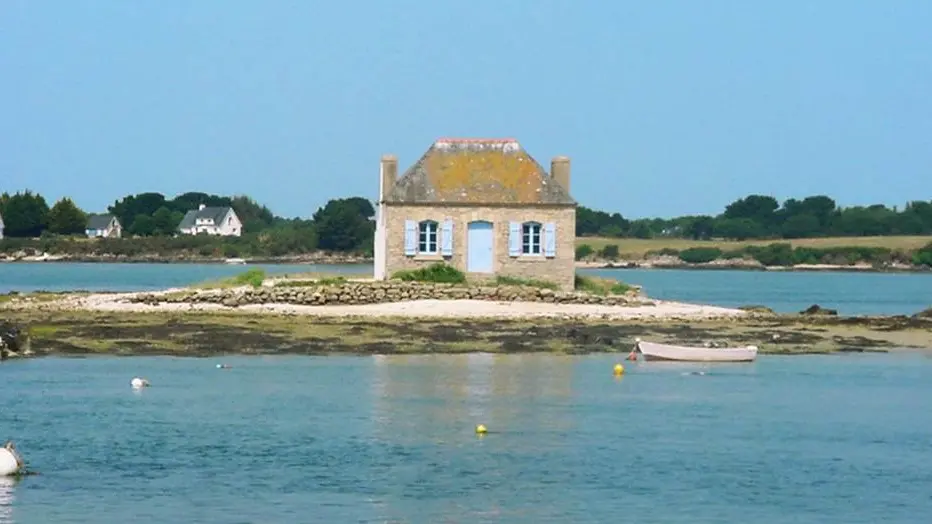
point(357, 293)
point(185, 258)
point(670, 262)
point(663, 262)
point(199, 333)
point(369, 317)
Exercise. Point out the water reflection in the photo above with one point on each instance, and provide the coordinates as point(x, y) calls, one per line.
point(445, 395)
point(7, 487)
point(426, 407)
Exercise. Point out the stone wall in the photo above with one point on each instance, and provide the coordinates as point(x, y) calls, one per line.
point(383, 292)
point(560, 269)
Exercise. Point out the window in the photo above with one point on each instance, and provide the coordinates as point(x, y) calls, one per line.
point(427, 237)
point(530, 238)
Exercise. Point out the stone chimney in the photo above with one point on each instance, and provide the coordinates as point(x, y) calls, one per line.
point(560, 171)
point(388, 175)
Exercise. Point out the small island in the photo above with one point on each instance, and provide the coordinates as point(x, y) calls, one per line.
point(434, 310)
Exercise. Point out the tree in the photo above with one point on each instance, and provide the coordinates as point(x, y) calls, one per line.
point(699, 227)
point(164, 221)
point(255, 217)
point(132, 206)
point(343, 224)
point(192, 199)
point(738, 228)
point(25, 214)
point(801, 226)
point(142, 225)
point(758, 208)
point(65, 218)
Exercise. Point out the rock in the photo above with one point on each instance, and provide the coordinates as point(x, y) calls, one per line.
point(816, 309)
point(384, 292)
point(926, 313)
point(756, 308)
point(14, 341)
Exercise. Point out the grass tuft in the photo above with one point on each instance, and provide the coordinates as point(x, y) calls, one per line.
point(601, 286)
point(502, 280)
point(438, 273)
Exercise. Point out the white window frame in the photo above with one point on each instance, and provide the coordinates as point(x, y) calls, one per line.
point(428, 236)
point(532, 239)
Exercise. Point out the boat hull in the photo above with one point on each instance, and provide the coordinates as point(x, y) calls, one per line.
point(652, 351)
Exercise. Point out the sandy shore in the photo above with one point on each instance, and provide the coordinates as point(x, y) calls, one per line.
point(119, 302)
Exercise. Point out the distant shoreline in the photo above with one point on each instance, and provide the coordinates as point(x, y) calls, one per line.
point(347, 260)
point(350, 260)
point(801, 268)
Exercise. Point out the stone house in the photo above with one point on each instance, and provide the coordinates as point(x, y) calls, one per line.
point(212, 221)
point(103, 226)
point(485, 207)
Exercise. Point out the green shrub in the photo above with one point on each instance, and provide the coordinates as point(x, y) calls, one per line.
point(584, 251)
point(439, 272)
point(773, 254)
point(923, 257)
point(610, 252)
point(601, 286)
point(515, 281)
point(253, 277)
point(700, 255)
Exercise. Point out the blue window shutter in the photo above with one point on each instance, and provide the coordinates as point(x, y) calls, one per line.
point(514, 239)
point(550, 239)
point(410, 237)
point(446, 238)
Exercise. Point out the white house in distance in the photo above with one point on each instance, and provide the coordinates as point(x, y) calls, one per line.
point(103, 226)
point(212, 221)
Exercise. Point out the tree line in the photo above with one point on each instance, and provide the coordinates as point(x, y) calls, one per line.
point(761, 217)
point(151, 220)
point(150, 223)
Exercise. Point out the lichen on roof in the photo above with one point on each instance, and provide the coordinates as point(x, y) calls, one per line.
point(477, 171)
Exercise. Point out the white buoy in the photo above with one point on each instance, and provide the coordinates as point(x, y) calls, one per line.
point(139, 383)
point(10, 461)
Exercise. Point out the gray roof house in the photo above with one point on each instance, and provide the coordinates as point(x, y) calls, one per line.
point(103, 226)
point(212, 221)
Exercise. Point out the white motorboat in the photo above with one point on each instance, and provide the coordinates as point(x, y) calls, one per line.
point(655, 351)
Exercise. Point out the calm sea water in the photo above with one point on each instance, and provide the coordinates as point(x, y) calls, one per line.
point(390, 439)
point(850, 293)
point(52, 276)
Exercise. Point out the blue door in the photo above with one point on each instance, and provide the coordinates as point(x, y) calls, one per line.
point(479, 247)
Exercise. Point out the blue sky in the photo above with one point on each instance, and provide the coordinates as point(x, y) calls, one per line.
point(666, 108)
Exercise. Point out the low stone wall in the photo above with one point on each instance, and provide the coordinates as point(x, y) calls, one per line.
point(382, 292)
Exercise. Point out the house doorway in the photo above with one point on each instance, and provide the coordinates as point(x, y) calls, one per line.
point(479, 247)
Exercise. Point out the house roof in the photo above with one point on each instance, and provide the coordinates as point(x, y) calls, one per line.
point(99, 221)
point(214, 213)
point(477, 171)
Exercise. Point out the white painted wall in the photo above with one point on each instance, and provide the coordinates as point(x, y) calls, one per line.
point(230, 226)
point(381, 241)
